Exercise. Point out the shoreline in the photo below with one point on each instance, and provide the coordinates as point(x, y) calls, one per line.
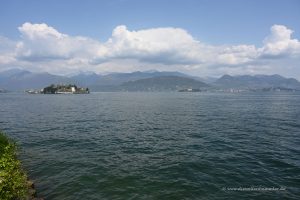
point(14, 181)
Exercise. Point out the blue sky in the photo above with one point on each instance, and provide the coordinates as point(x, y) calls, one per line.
point(213, 22)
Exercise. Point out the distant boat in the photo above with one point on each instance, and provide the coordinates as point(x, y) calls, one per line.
point(31, 91)
point(189, 90)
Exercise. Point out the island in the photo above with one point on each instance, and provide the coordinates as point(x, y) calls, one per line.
point(65, 89)
point(61, 89)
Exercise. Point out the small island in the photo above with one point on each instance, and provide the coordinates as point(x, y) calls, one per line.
point(60, 89)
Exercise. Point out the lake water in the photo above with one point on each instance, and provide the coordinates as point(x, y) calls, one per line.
point(157, 145)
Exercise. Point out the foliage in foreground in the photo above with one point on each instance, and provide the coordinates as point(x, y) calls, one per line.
point(13, 180)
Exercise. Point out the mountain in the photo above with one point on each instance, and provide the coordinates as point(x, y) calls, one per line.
point(86, 79)
point(119, 78)
point(19, 80)
point(13, 72)
point(257, 82)
point(110, 81)
point(163, 83)
point(206, 79)
point(94, 79)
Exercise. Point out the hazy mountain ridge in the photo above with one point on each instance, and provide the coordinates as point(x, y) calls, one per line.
point(163, 83)
point(257, 82)
point(17, 80)
point(20, 80)
point(120, 78)
point(85, 79)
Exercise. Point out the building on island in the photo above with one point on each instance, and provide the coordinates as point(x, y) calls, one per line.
point(64, 89)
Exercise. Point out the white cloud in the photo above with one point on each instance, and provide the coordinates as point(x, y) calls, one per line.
point(279, 42)
point(42, 42)
point(159, 45)
point(43, 31)
point(42, 47)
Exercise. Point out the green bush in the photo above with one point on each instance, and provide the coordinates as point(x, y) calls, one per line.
point(4, 141)
point(13, 180)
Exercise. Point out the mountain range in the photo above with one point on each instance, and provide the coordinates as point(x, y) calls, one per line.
point(20, 80)
point(163, 83)
point(257, 82)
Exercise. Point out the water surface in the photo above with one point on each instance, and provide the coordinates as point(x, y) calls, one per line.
point(157, 145)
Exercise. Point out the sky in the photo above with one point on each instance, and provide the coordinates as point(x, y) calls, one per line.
point(197, 37)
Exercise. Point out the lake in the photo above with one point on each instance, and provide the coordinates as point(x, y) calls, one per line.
point(158, 145)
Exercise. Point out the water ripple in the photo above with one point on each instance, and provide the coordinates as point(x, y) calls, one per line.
point(157, 145)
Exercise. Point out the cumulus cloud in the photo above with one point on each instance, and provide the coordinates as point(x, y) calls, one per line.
point(161, 45)
point(157, 48)
point(279, 42)
point(42, 42)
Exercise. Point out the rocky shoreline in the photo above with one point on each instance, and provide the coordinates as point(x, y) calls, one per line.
point(14, 182)
point(32, 193)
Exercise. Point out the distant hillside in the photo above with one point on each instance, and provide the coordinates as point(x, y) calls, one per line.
point(163, 83)
point(19, 80)
point(119, 78)
point(86, 79)
point(111, 82)
point(257, 82)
